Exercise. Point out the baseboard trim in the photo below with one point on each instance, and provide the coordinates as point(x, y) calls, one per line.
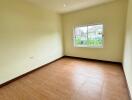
point(93, 59)
point(130, 96)
point(12, 80)
point(21, 76)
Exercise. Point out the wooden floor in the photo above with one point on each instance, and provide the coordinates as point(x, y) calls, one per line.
point(70, 79)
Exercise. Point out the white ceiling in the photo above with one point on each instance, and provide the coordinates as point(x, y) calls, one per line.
point(71, 5)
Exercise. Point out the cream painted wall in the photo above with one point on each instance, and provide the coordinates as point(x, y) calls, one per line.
point(128, 48)
point(113, 16)
point(29, 37)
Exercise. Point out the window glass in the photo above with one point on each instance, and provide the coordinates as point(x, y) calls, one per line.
point(81, 36)
point(95, 36)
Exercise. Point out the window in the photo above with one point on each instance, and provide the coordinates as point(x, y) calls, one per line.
point(89, 36)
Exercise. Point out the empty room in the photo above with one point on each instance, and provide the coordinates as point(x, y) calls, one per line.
point(65, 50)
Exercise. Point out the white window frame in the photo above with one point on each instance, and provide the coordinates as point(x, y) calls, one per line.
point(87, 36)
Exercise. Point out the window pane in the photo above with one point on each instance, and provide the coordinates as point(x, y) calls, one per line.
point(95, 36)
point(80, 36)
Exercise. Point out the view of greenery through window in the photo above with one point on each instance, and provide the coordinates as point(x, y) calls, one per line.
point(89, 36)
